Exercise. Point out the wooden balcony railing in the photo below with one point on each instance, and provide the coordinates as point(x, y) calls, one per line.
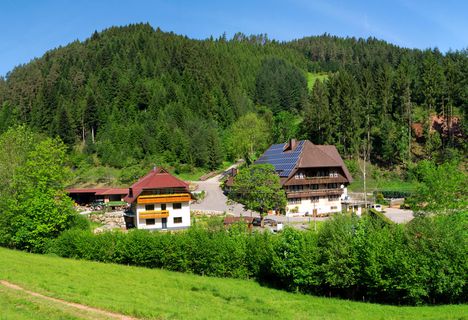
point(314, 193)
point(154, 214)
point(164, 198)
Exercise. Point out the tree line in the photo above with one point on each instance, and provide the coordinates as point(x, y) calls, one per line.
point(131, 94)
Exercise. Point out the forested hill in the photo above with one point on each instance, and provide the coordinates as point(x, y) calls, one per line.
point(134, 93)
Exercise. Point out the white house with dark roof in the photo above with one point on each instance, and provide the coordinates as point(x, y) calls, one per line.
point(314, 177)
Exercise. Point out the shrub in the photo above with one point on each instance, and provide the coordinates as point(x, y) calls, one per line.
point(422, 262)
point(294, 260)
point(339, 267)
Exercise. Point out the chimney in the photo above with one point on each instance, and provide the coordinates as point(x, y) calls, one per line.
point(291, 144)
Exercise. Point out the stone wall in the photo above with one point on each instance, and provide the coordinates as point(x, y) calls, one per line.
point(207, 213)
point(110, 220)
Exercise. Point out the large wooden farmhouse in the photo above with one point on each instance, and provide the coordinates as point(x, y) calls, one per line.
point(314, 177)
point(160, 201)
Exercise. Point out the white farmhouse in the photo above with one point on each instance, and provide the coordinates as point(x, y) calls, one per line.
point(160, 201)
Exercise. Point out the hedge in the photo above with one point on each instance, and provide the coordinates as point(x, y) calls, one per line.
point(424, 261)
point(393, 194)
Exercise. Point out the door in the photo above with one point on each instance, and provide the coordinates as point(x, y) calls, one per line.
point(164, 223)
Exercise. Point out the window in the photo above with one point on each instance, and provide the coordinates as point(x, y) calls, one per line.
point(294, 201)
point(299, 175)
point(177, 220)
point(163, 206)
point(177, 205)
point(333, 207)
point(333, 198)
point(314, 199)
point(150, 222)
point(149, 207)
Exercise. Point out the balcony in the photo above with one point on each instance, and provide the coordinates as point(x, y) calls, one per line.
point(317, 180)
point(313, 193)
point(164, 198)
point(154, 214)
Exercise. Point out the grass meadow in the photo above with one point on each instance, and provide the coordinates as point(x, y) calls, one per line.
point(159, 294)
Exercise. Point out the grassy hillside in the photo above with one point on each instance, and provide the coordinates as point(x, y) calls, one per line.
point(149, 293)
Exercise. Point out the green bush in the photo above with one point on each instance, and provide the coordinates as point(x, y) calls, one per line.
point(338, 261)
point(294, 260)
point(389, 194)
point(366, 258)
point(80, 222)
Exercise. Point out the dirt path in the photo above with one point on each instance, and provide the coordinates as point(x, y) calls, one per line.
point(70, 304)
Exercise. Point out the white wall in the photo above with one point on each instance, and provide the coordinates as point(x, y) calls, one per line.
point(322, 206)
point(183, 212)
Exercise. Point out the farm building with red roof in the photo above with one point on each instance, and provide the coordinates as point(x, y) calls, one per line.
point(160, 201)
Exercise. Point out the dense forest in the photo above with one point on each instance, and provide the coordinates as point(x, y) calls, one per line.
point(134, 94)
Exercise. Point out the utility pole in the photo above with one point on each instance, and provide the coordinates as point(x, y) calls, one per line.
point(365, 156)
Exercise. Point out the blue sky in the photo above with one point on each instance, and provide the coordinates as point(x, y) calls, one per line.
point(30, 28)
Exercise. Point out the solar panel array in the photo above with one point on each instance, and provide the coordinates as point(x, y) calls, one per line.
point(284, 162)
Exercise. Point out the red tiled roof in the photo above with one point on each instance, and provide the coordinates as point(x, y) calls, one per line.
point(231, 220)
point(84, 190)
point(156, 179)
point(112, 191)
point(99, 191)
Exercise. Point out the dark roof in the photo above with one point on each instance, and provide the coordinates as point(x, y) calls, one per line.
point(98, 191)
point(287, 157)
point(319, 156)
point(157, 178)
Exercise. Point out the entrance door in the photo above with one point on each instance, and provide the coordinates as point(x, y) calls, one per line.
point(164, 223)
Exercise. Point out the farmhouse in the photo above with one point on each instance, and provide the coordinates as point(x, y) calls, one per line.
point(160, 201)
point(314, 177)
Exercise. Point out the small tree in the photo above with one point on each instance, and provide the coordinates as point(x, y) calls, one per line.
point(442, 188)
point(247, 136)
point(33, 206)
point(258, 188)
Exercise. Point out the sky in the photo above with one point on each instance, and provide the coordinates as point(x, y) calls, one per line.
point(29, 28)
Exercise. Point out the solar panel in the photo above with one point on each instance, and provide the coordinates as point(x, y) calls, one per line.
point(284, 162)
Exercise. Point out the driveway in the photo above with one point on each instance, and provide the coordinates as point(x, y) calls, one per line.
point(215, 200)
point(398, 215)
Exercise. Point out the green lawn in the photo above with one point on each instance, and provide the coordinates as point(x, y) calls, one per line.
point(380, 184)
point(162, 294)
point(312, 77)
point(196, 173)
point(22, 306)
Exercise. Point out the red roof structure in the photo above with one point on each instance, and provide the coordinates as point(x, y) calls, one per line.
point(112, 191)
point(157, 178)
point(99, 191)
